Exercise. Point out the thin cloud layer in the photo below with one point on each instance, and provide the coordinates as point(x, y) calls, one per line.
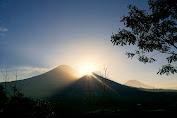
point(21, 72)
point(2, 29)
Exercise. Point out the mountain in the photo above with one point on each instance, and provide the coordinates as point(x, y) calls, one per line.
point(71, 94)
point(63, 83)
point(137, 84)
point(65, 87)
point(48, 83)
point(92, 87)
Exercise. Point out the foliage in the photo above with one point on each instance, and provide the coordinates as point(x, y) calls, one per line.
point(2, 98)
point(152, 31)
point(2, 94)
point(19, 106)
point(42, 110)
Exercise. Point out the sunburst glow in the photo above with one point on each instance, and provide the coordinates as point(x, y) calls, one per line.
point(87, 69)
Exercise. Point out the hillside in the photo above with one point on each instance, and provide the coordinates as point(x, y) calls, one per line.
point(90, 86)
point(46, 84)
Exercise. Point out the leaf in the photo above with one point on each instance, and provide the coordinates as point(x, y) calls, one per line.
point(167, 69)
point(151, 31)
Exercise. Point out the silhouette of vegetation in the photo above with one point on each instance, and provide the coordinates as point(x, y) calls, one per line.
point(42, 109)
point(22, 107)
point(13, 103)
point(2, 99)
point(153, 32)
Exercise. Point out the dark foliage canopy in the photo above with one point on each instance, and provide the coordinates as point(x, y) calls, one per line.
point(153, 32)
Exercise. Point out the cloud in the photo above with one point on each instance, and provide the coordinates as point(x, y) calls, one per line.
point(3, 29)
point(28, 70)
point(23, 72)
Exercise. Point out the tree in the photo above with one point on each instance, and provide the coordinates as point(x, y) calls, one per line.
point(15, 89)
point(105, 69)
point(42, 109)
point(153, 32)
point(6, 78)
point(12, 88)
point(3, 98)
point(104, 74)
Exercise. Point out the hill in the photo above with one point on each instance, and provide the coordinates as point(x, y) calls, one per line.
point(137, 84)
point(63, 82)
point(92, 87)
point(48, 83)
point(87, 94)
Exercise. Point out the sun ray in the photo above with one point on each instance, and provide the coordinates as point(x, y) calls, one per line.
point(105, 84)
point(87, 69)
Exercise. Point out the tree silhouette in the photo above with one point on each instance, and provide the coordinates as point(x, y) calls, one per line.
point(3, 99)
point(6, 78)
point(154, 32)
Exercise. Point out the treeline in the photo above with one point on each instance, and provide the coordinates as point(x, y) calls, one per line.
point(16, 105)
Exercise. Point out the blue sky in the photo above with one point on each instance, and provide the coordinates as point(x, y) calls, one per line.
point(38, 35)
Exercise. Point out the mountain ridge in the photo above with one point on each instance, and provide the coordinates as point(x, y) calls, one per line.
point(47, 83)
point(61, 83)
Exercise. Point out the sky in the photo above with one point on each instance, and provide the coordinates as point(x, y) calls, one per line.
point(38, 35)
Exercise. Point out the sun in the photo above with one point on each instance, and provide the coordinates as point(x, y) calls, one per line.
point(87, 69)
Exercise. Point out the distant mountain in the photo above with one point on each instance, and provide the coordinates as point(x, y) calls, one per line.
point(137, 84)
point(48, 83)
